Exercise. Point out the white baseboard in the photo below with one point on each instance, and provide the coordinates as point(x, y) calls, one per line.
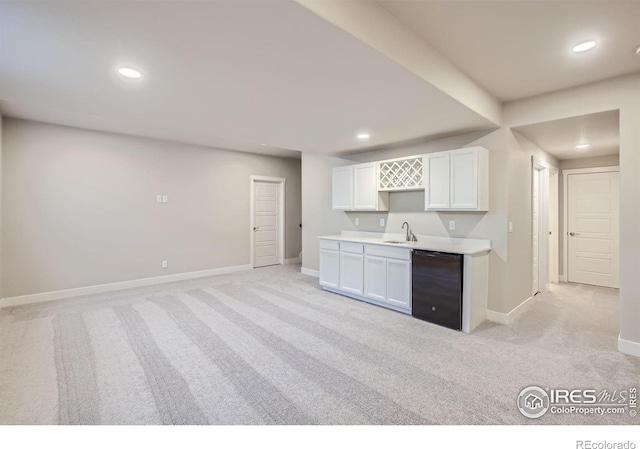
point(309, 272)
point(294, 261)
point(103, 288)
point(628, 347)
point(508, 318)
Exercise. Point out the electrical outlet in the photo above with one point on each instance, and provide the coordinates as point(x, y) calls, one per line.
point(382, 222)
point(452, 225)
point(357, 221)
point(165, 264)
point(165, 199)
point(158, 198)
point(511, 226)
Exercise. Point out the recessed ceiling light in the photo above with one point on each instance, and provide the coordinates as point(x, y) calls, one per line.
point(584, 46)
point(582, 146)
point(128, 72)
point(363, 136)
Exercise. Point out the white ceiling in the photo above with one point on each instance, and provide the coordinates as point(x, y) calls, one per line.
point(560, 137)
point(516, 49)
point(226, 74)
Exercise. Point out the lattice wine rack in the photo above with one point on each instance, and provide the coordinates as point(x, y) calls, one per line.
point(401, 174)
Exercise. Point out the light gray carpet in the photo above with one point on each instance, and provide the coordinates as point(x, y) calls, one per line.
point(270, 347)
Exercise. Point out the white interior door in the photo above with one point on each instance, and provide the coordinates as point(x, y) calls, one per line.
point(593, 229)
point(535, 192)
point(266, 223)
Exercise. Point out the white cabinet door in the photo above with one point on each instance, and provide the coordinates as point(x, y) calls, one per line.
point(399, 283)
point(437, 172)
point(375, 278)
point(342, 188)
point(464, 178)
point(330, 268)
point(365, 188)
point(351, 273)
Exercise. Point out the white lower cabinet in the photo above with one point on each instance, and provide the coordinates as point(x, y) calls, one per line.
point(374, 273)
point(388, 280)
point(375, 278)
point(399, 283)
point(351, 273)
point(329, 268)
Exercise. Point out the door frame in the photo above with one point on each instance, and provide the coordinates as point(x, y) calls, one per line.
point(281, 215)
point(538, 170)
point(545, 222)
point(565, 207)
point(554, 226)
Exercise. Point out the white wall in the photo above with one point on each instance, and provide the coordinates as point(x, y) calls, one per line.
point(520, 255)
point(80, 207)
point(317, 216)
point(591, 162)
point(621, 93)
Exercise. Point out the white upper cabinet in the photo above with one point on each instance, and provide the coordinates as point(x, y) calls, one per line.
point(365, 193)
point(437, 174)
point(355, 188)
point(342, 188)
point(464, 179)
point(457, 180)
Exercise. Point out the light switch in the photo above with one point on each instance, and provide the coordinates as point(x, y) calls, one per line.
point(357, 221)
point(159, 198)
point(165, 199)
point(452, 225)
point(511, 226)
point(165, 264)
point(382, 222)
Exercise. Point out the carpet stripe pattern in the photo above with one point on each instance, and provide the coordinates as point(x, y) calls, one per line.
point(270, 404)
point(76, 371)
point(171, 393)
point(270, 347)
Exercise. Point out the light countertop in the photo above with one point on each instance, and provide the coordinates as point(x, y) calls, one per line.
point(473, 247)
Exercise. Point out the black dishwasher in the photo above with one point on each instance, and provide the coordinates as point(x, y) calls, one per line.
point(437, 288)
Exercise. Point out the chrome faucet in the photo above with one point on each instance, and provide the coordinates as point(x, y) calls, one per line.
point(410, 236)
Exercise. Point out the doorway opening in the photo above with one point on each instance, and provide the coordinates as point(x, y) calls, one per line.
point(267, 221)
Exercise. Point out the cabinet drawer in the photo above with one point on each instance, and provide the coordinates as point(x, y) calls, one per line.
point(348, 247)
point(330, 244)
point(389, 252)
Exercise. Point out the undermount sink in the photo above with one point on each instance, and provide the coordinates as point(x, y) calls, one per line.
point(396, 242)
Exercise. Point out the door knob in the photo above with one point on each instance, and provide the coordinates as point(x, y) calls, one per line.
point(255, 229)
point(573, 234)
